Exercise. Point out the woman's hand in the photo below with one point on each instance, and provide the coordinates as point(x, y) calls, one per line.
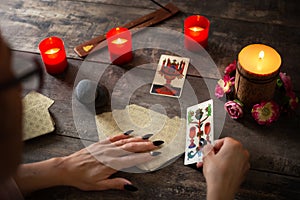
point(91, 167)
point(224, 166)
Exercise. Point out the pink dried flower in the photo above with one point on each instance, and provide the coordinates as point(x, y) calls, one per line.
point(265, 112)
point(234, 109)
point(230, 68)
point(224, 86)
point(287, 82)
point(219, 92)
point(293, 102)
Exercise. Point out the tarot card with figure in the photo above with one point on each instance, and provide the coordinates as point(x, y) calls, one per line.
point(199, 131)
point(169, 76)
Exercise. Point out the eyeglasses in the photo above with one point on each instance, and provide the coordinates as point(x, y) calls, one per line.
point(27, 72)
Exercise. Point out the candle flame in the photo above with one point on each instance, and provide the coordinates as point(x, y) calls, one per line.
point(119, 41)
point(261, 55)
point(196, 28)
point(52, 51)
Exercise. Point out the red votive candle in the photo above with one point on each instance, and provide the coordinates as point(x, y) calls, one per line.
point(196, 30)
point(53, 54)
point(119, 45)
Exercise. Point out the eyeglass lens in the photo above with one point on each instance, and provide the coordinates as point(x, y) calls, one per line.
point(22, 66)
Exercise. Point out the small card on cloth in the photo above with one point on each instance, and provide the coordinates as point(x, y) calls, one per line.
point(36, 117)
point(144, 121)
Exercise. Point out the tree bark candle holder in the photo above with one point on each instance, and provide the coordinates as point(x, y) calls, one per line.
point(256, 74)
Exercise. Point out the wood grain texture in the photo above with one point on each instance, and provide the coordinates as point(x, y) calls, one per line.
point(275, 158)
point(181, 182)
point(20, 21)
point(268, 11)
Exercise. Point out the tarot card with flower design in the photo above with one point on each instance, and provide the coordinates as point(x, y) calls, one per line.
point(199, 131)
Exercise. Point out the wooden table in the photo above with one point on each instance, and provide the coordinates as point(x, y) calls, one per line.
point(275, 158)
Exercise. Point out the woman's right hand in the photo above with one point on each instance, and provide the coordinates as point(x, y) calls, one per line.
point(225, 167)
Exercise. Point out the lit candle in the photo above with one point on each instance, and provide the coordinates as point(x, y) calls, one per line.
point(196, 30)
point(257, 71)
point(53, 55)
point(119, 45)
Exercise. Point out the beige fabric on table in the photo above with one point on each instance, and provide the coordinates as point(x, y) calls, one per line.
point(144, 121)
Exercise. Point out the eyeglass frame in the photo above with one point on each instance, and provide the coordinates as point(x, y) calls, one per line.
point(17, 80)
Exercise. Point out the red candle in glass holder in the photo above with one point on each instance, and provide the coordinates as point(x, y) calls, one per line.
point(119, 45)
point(53, 54)
point(196, 30)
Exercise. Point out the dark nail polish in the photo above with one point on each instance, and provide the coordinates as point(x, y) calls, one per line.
point(155, 153)
point(147, 136)
point(128, 132)
point(130, 188)
point(158, 142)
point(202, 142)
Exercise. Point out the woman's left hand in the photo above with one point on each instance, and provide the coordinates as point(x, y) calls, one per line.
point(91, 167)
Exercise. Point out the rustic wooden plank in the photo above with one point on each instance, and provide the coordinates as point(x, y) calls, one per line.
point(268, 11)
point(264, 143)
point(224, 44)
point(274, 150)
point(147, 20)
point(181, 182)
point(20, 21)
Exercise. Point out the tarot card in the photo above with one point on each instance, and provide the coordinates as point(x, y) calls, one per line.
point(170, 75)
point(199, 131)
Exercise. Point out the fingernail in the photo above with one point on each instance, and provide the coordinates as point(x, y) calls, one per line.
point(155, 153)
point(207, 149)
point(130, 188)
point(147, 136)
point(158, 142)
point(128, 132)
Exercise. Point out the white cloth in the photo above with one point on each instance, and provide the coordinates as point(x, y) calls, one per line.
point(144, 121)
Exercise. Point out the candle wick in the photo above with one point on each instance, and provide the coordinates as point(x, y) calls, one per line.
point(161, 6)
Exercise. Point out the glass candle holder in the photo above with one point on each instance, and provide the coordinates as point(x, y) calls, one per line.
point(119, 45)
point(53, 55)
point(196, 29)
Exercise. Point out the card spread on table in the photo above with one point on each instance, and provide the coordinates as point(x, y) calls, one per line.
point(199, 131)
point(36, 117)
point(169, 76)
